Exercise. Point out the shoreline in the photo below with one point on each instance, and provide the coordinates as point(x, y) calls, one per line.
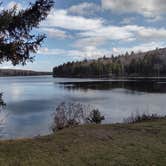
point(82, 126)
point(107, 78)
point(116, 144)
point(26, 75)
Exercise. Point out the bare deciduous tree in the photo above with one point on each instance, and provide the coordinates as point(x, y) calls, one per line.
point(73, 114)
point(69, 114)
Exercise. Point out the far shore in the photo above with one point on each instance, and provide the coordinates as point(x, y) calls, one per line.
point(26, 75)
point(18, 72)
point(114, 77)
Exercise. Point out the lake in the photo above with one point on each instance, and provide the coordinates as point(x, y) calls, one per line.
point(31, 101)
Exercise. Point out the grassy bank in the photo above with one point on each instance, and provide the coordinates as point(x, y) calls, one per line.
point(124, 144)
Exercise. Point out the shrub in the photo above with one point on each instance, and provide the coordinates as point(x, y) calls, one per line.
point(95, 117)
point(2, 103)
point(69, 115)
point(141, 118)
point(73, 114)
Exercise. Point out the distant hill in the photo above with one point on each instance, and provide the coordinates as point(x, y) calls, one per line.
point(17, 72)
point(147, 64)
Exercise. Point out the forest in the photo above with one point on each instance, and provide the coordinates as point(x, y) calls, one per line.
point(14, 72)
point(142, 64)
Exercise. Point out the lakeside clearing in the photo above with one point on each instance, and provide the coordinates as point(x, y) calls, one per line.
point(138, 144)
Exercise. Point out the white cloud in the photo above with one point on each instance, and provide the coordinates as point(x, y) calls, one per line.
point(91, 33)
point(100, 36)
point(60, 19)
point(150, 8)
point(13, 3)
point(89, 41)
point(92, 52)
point(109, 33)
point(122, 34)
point(60, 52)
point(138, 48)
point(84, 9)
point(86, 52)
point(128, 20)
point(55, 33)
point(94, 32)
point(47, 51)
point(147, 33)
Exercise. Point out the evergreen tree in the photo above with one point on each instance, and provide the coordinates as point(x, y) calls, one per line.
point(16, 38)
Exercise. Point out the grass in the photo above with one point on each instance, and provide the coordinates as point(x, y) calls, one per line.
point(139, 144)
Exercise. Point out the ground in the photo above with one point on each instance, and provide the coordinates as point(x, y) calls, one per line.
point(140, 144)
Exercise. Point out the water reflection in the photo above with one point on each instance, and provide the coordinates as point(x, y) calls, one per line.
point(132, 85)
point(31, 101)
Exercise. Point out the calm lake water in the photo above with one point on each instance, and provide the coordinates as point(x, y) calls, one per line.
point(31, 101)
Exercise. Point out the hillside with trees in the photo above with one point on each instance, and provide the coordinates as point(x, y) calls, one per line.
point(142, 64)
point(17, 72)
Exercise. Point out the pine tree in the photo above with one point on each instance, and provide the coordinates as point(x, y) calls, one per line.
point(17, 41)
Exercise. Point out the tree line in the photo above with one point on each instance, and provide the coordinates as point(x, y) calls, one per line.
point(151, 63)
point(17, 72)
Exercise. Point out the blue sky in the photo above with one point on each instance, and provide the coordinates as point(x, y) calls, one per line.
point(79, 29)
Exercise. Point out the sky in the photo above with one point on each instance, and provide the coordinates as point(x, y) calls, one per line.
point(79, 29)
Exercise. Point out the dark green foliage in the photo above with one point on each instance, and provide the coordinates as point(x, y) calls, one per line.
point(17, 72)
point(16, 39)
point(86, 69)
point(95, 117)
point(152, 63)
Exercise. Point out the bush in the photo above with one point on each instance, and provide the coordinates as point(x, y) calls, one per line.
point(141, 118)
point(95, 117)
point(69, 115)
point(73, 114)
point(2, 103)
